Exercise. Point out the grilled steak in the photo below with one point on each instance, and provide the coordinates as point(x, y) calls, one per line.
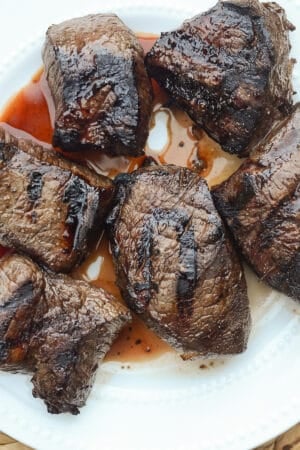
point(95, 70)
point(175, 265)
point(79, 325)
point(49, 206)
point(261, 205)
point(56, 327)
point(229, 69)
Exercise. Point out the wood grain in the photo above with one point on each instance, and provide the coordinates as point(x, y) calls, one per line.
point(287, 441)
point(7, 443)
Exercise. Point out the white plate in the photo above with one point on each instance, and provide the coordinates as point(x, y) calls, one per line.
point(167, 404)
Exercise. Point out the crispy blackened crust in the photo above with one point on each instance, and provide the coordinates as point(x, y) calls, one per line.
point(261, 205)
point(174, 261)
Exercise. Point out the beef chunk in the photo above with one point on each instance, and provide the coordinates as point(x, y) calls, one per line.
point(79, 325)
point(175, 265)
point(95, 70)
point(56, 327)
point(49, 207)
point(229, 69)
point(261, 205)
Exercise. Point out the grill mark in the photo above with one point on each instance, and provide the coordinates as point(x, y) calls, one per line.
point(265, 232)
point(23, 294)
point(144, 251)
point(246, 193)
point(286, 276)
point(269, 227)
point(232, 206)
point(22, 297)
point(187, 277)
point(35, 186)
point(229, 209)
point(76, 195)
point(123, 182)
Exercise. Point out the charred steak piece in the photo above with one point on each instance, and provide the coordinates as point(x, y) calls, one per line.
point(261, 205)
point(175, 265)
point(56, 327)
point(229, 69)
point(102, 94)
point(80, 324)
point(49, 206)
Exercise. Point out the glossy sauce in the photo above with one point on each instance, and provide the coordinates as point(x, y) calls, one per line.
point(31, 110)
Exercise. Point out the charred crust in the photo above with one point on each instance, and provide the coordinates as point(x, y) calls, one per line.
point(75, 195)
point(187, 278)
point(35, 186)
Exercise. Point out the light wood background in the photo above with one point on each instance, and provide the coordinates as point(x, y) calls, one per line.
point(287, 441)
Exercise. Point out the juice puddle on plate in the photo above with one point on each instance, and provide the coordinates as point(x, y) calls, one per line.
point(31, 110)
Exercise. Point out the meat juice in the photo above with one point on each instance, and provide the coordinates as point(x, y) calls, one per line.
point(186, 146)
point(2, 251)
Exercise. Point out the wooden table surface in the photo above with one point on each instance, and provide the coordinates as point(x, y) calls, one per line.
point(287, 441)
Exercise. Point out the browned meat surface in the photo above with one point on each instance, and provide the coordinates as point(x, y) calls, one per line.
point(261, 205)
point(175, 265)
point(21, 289)
point(95, 70)
point(229, 69)
point(79, 325)
point(56, 327)
point(50, 206)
